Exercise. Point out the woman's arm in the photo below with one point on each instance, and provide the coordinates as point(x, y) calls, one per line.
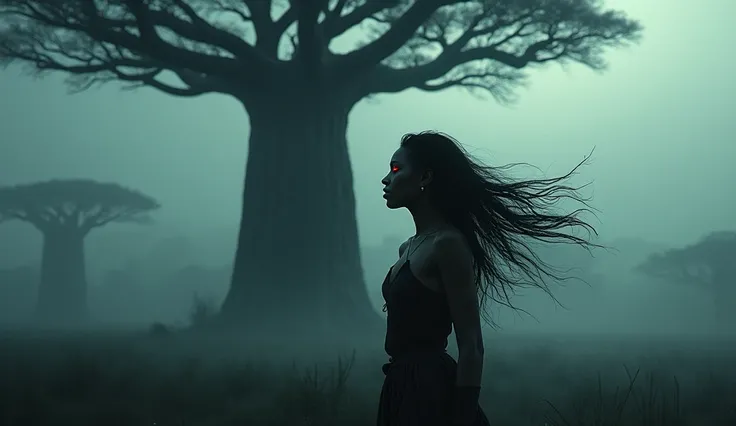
point(455, 263)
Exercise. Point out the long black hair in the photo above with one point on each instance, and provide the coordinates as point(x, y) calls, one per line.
point(500, 217)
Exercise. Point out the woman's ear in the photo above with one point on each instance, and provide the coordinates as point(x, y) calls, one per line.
point(427, 177)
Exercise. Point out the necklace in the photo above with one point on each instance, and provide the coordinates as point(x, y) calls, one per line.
point(409, 251)
point(412, 248)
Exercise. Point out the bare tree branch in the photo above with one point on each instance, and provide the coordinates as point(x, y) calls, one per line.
point(478, 79)
point(130, 41)
point(400, 32)
point(480, 45)
point(260, 15)
point(431, 45)
point(334, 16)
point(485, 45)
point(337, 21)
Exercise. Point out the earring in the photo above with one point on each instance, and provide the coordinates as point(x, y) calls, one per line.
point(421, 188)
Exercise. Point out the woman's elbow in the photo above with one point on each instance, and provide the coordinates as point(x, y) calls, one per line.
point(471, 348)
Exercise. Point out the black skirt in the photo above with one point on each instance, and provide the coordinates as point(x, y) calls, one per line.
point(418, 391)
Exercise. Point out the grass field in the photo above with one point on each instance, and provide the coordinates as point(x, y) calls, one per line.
point(144, 379)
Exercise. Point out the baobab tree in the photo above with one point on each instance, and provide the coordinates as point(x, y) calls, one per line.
point(709, 264)
point(297, 257)
point(66, 211)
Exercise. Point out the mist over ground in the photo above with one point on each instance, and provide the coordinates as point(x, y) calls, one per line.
point(645, 331)
point(137, 278)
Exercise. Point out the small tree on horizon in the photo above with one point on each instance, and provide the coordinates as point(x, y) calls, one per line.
point(65, 212)
point(298, 255)
point(710, 264)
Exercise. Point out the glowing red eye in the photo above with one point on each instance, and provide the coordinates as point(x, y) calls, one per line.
point(394, 169)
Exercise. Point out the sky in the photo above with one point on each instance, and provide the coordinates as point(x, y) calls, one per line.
point(660, 119)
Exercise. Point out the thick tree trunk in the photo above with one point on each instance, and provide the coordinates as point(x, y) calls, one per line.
point(62, 291)
point(297, 267)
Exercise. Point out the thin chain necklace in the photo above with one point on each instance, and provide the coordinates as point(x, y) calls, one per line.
point(411, 246)
point(409, 252)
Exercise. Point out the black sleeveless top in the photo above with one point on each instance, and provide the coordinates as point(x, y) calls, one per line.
point(418, 318)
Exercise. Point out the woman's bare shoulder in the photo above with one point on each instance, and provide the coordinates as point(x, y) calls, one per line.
point(450, 238)
point(402, 247)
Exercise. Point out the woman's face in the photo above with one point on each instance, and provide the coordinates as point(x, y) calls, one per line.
point(403, 184)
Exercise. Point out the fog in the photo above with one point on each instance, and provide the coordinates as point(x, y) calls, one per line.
point(659, 120)
point(658, 295)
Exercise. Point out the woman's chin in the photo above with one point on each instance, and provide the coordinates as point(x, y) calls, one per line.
point(392, 205)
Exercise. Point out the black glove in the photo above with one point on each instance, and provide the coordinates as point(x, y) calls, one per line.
point(465, 405)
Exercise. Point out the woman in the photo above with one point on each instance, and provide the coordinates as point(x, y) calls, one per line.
point(473, 227)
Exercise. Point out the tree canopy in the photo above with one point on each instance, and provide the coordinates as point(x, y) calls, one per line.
point(696, 263)
point(80, 204)
point(238, 46)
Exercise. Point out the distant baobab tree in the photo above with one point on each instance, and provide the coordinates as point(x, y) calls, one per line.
point(66, 211)
point(298, 260)
point(709, 264)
